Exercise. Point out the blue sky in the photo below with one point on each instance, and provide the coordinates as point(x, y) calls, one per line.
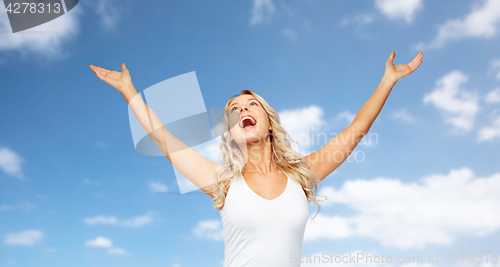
point(74, 192)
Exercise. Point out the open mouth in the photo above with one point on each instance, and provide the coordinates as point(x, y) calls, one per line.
point(247, 121)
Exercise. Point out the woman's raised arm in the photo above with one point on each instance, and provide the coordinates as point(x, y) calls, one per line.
point(187, 161)
point(337, 150)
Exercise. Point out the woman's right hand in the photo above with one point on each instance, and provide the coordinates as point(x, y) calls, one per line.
point(119, 80)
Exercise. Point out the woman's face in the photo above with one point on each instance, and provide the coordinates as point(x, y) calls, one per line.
point(245, 130)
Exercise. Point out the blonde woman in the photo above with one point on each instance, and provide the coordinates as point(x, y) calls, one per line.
point(263, 187)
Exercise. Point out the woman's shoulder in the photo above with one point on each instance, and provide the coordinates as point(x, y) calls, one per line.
point(227, 179)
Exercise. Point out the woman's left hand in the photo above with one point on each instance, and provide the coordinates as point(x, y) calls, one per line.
point(398, 72)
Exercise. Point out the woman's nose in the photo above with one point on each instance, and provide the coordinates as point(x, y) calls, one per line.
point(244, 108)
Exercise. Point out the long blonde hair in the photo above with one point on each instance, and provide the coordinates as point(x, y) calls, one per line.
point(290, 161)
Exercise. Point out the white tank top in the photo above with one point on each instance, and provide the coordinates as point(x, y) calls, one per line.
point(260, 232)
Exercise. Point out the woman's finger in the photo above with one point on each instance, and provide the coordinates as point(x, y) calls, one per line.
point(101, 74)
point(99, 71)
point(99, 68)
point(413, 64)
point(392, 56)
point(94, 69)
point(104, 70)
point(415, 59)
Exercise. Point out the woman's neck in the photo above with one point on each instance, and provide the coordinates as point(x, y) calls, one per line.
point(259, 159)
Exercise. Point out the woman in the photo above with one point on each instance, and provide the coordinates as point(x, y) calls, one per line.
point(262, 188)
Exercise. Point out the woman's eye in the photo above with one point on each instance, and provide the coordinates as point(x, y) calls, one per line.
point(253, 103)
point(233, 109)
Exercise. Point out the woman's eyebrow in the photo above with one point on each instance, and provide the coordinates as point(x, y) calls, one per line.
point(237, 103)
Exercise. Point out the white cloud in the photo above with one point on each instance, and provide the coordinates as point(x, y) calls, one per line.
point(138, 221)
point(6, 207)
point(308, 128)
point(46, 39)
point(112, 220)
point(397, 9)
point(107, 12)
point(346, 116)
point(493, 96)
point(117, 251)
point(99, 242)
point(457, 105)
point(328, 227)
point(495, 68)
point(307, 26)
point(157, 187)
point(10, 162)
point(261, 10)
point(402, 114)
point(434, 210)
point(89, 182)
point(289, 33)
point(300, 122)
point(11, 262)
point(25, 238)
point(210, 150)
point(358, 19)
point(492, 131)
point(482, 22)
point(24, 206)
point(101, 144)
point(103, 242)
point(211, 229)
point(101, 220)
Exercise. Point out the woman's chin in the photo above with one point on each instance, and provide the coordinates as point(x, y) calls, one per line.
point(254, 137)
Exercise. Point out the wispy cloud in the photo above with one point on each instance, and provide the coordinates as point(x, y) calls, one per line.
point(25, 238)
point(108, 13)
point(493, 96)
point(495, 68)
point(112, 220)
point(117, 251)
point(491, 131)
point(210, 150)
point(399, 10)
point(157, 187)
point(138, 221)
point(10, 162)
point(99, 242)
point(412, 215)
point(90, 182)
point(103, 242)
point(457, 105)
point(20, 206)
point(211, 229)
point(358, 19)
point(481, 22)
point(346, 116)
point(299, 123)
point(261, 11)
point(289, 33)
point(403, 115)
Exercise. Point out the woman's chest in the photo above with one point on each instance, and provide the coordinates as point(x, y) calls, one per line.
point(245, 210)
